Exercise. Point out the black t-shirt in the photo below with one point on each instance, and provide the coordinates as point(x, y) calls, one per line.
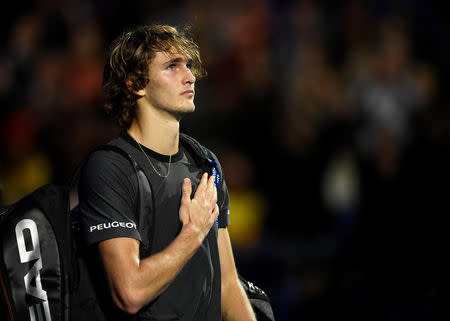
point(108, 192)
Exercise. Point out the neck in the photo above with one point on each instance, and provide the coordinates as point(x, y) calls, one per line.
point(156, 130)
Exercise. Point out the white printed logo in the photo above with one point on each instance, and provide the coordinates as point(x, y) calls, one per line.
point(105, 226)
point(34, 253)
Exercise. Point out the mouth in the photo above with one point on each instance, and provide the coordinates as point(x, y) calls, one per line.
point(189, 93)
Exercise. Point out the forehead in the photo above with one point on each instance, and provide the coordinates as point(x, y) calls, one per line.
point(166, 56)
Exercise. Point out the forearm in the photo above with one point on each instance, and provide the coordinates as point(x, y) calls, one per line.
point(138, 283)
point(157, 271)
point(235, 303)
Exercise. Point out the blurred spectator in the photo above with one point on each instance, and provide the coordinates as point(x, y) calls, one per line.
point(388, 91)
point(19, 55)
point(23, 166)
point(246, 202)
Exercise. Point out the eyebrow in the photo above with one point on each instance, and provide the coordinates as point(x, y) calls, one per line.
point(178, 60)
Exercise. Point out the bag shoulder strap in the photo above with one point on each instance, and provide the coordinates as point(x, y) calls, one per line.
point(145, 195)
point(73, 180)
point(203, 156)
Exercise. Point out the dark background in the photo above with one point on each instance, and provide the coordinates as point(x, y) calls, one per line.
point(330, 118)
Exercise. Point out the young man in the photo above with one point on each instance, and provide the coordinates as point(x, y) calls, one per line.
point(190, 273)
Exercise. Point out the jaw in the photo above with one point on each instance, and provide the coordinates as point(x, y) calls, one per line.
point(165, 107)
point(184, 110)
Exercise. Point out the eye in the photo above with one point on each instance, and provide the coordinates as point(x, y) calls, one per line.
point(171, 67)
point(189, 66)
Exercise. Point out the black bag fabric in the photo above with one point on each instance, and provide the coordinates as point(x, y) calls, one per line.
point(43, 275)
point(34, 267)
point(259, 300)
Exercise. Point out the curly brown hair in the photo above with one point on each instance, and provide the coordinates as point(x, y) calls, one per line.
point(128, 60)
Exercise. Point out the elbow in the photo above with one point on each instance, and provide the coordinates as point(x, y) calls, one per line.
point(128, 308)
point(128, 300)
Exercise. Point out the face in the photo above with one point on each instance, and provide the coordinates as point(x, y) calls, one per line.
point(171, 85)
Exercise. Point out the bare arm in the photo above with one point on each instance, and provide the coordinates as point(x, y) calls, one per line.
point(235, 304)
point(134, 282)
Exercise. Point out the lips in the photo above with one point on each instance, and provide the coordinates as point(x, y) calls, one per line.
point(188, 92)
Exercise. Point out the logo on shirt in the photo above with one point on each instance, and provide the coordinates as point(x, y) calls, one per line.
point(115, 224)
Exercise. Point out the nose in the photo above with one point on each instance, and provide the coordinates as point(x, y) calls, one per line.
point(189, 77)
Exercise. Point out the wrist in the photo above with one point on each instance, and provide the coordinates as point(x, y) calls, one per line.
point(192, 234)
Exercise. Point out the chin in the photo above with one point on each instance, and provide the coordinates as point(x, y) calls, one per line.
point(188, 108)
point(185, 110)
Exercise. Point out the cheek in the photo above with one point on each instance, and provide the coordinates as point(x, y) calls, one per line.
point(156, 88)
point(159, 94)
point(161, 85)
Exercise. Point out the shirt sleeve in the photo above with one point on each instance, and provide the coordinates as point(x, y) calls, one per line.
point(224, 205)
point(107, 192)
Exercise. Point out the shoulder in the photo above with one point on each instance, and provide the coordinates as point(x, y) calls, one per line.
point(205, 157)
point(107, 159)
point(201, 152)
point(196, 147)
point(109, 174)
point(110, 154)
point(102, 163)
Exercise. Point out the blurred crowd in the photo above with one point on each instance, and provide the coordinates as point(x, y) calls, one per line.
point(330, 118)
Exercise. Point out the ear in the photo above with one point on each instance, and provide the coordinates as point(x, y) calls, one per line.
point(131, 87)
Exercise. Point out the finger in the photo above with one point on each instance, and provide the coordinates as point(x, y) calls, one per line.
point(215, 213)
point(213, 201)
point(215, 194)
point(210, 189)
point(186, 190)
point(201, 186)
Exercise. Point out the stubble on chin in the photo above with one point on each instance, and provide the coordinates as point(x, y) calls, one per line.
point(184, 110)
